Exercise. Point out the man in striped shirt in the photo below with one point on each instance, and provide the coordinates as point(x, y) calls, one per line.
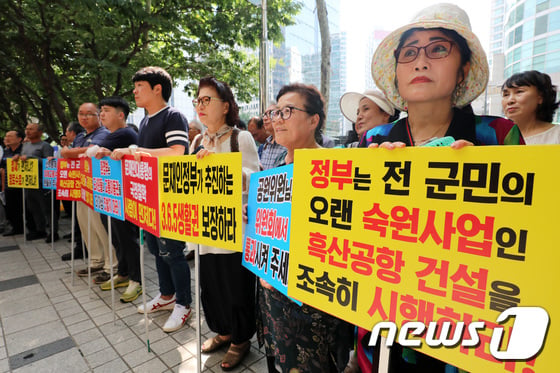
point(163, 132)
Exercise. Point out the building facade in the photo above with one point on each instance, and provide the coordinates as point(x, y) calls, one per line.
point(528, 39)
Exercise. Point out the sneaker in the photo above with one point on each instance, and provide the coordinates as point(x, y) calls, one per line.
point(132, 292)
point(158, 304)
point(178, 318)
point(84, 271)
point(118, 282)
point(101, 278)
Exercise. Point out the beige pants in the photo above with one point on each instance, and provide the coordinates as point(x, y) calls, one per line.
point(99, 249)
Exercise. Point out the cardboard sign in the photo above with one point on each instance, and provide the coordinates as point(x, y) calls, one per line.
point(267, 234)
point(107, 187)
point(140, 186)
point(23, 174)
point(429, 234)
point(49, 173)
point(200, 200)
point(86, 182)
point(68, 179)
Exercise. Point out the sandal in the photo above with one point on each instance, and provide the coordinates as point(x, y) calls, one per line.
point(214, 343)
point(235, 355)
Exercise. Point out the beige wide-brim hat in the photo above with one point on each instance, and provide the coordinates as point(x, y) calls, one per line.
point(447, 16)
point(350, 101)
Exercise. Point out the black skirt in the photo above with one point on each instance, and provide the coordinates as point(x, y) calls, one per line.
point(228, 296)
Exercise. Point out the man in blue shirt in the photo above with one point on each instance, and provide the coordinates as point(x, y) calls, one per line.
point(95, 133)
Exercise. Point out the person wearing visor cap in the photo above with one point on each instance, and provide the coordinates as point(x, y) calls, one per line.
point(366, 110)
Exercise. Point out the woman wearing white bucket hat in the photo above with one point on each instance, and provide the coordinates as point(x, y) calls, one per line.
point(432, 68)
point(367, 110)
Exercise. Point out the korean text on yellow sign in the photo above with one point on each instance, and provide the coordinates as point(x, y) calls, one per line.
point(23, 174)
point(428, 234)
point(200, 200)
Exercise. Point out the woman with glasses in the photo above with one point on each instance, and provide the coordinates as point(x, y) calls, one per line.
point(433, 68)
point(529, 100)
point(227, 288)
point(299, 338)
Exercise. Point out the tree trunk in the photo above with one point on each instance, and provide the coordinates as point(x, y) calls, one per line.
point(322, 17)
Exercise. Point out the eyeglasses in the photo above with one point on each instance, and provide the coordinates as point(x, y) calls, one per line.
point(204, 100)
point(434, 50)
point(268, 114)
point(285, 113)
point(87, 115)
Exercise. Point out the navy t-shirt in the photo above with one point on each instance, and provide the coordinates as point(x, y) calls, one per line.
point(167, 127)
point(121, 138)
point(83, 139)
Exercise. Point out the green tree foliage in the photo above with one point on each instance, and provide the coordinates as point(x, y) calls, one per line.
point(56, 54)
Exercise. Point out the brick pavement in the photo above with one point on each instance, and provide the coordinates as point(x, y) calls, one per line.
point(48, 324)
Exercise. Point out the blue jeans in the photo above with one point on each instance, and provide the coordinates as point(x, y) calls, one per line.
point(174, 274)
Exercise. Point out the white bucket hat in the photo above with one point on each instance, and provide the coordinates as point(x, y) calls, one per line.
point(447, 16)
point(350, 101)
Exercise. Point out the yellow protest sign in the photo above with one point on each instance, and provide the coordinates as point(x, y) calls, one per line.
point(200, 200)
point(430, 234)
point(23, 174)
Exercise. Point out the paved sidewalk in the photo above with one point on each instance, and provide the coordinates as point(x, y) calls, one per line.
point(48, 325)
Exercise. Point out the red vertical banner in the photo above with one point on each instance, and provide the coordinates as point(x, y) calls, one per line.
point(140, 189)
point(86, 184)
point(68, 179)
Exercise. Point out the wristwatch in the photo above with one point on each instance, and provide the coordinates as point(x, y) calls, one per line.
point(133, 149)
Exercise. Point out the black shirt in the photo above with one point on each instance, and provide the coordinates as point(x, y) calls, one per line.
point(164, 129)
point(121, 138)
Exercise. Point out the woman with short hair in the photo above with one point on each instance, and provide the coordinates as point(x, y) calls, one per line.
point(529, 100)
point(299, 338)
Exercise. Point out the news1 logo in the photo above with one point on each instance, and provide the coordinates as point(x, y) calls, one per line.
point(526, 340)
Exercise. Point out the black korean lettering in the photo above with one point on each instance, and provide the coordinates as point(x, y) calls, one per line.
point(283, 268)
point(451, 180)
point(506, 238)
point(341, 213)
point(514, 183)
point(325, 286)
point(275, 261)
point(165, 177)
point(504, 295)
point(262, 256)
point(347, 293)
point(260, 189)
point(319, 206)
point(361, 181)
point(475, 175)
point(401, 176)
point(304, 279)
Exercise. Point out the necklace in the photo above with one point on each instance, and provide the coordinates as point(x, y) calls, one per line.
point(424, 140)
